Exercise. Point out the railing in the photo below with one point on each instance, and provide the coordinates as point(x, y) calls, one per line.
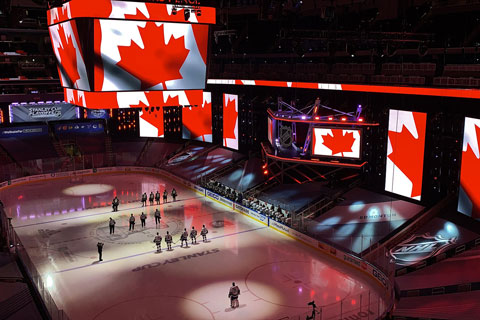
point(362, 305)
point(15, 245)
point(366, 305)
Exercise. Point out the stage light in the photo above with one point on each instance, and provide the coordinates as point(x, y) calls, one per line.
point(317, 118)
point(186, 13)
point(360, 119)
point(265, 172)
point(344, 118)
point(264, 166)
point(174, 11)
point(304, 117)
point(330, 118)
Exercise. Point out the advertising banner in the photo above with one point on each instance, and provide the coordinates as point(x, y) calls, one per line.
point(42, 112)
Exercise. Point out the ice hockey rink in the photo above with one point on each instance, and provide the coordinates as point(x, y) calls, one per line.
point(60, 222)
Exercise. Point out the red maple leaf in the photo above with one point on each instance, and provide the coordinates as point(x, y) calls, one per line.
point(68, 56)
point(198, 120)
point(408, 152)
point(230, 118)
point(156, 62)
point(154, 115)
point(338, 142)
point(470, 175)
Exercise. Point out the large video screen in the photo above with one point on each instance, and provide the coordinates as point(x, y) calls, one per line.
point(333, 142)
point(405, 153)
point(197, 120)
point(141, 55)
point(230, 121)
point(70, 60)
point(469, 194)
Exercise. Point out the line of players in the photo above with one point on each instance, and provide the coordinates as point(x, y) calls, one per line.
point(183, 238)
point(151, 198)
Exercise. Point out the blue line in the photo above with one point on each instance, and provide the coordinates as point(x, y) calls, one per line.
point(149, 252)
point(97, 214)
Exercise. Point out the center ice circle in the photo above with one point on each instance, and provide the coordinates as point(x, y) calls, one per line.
point(87, 189)
point(298, 282)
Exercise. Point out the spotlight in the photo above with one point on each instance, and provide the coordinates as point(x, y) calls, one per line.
point(174, 11)
point(264, 166)
point(317, 118)
point(360, 119)
point(330, 118)
point(186, 13)
point(344, 118)
point(265, 172)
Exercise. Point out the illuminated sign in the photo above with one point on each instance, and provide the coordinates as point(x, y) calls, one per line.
point(469, 194)
point(405, 153)
point(420, 247)
point(333, 142)
point(230, 121)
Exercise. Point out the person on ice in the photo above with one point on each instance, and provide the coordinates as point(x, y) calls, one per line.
point(132, 223)
point(157, 197)
point(165, 195)
point(184, 237)
point(193, 235)
point(152, 196)
point(144, 199)
point(143, 217)
point(168, 240)
point(111, 224)
point(157, 216)
point(204, 233)
point(100, 250)
point(174, 194)
point(233, 295)
point(115, 203)
point(158, 242)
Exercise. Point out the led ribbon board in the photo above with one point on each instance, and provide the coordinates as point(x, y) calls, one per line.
point(405, 153)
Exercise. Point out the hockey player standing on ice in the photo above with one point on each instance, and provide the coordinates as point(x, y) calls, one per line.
point(132, 223)
point(143, 217)
point(158, 242)
point(111, 224)
point(157, 197)
point(152, 196)
point(233, 295)
point(184, 237)
point(100, 249)
point(144, 199)
point(168, 240)
point(204, 233)
point(165, 195)
point(157, 216)
point(115, 203)
point(174, 194)
point(193, 235)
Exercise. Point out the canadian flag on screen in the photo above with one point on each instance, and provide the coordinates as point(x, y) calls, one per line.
point(71, 66)
point(151, 118)
point(197, 120)
point(405, 153)
point(230, 121)
point(140, 55)
point(469, 196)
point(336, 142)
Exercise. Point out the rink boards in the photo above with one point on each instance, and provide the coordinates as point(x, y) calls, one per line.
point(348, 259)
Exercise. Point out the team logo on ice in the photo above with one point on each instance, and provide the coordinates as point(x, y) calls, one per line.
point(420, 247)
